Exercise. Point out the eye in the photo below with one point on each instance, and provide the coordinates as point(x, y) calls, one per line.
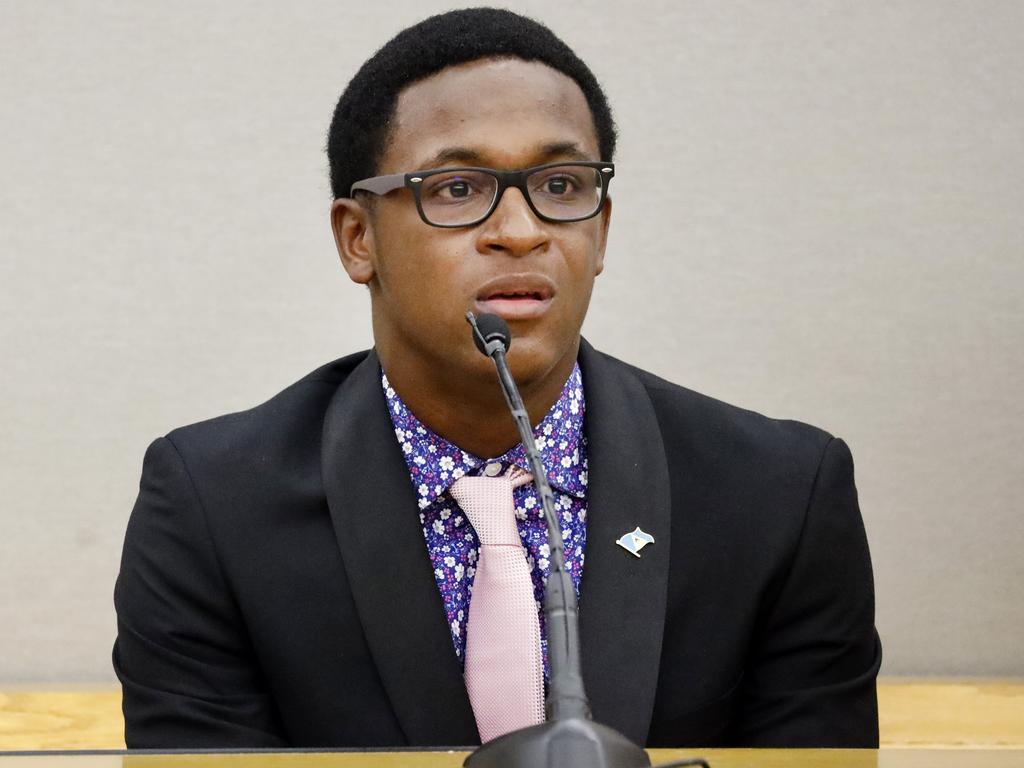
point(457, 188)
point(454, 188)
point(559, 185)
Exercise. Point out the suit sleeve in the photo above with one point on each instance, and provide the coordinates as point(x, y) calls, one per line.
point(811, 677)
point(188, 675)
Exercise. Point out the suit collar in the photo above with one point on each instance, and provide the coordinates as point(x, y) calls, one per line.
point(374, 512)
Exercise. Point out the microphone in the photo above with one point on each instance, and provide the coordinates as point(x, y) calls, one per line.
point(569, 737)
point(489, 333)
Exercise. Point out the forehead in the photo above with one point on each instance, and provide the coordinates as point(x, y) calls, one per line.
point(504, 110)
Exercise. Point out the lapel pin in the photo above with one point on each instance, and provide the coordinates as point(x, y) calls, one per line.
point(634, 541)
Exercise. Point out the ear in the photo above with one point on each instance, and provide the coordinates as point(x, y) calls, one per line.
point(353, 235)
point(606, 220)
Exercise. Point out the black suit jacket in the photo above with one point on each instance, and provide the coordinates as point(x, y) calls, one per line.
point(276, 591)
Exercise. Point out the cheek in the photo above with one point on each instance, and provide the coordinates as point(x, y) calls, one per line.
point(584, 263)
point(402, 256)
point(585, 258)
point(418, 271)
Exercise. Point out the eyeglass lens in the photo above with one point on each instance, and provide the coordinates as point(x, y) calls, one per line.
point(560, 192)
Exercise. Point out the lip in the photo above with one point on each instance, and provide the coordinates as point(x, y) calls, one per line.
point(515, 297)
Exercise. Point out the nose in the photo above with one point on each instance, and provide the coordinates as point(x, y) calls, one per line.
point(512, 228)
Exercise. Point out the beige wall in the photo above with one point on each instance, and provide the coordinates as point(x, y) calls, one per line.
point(818, 215)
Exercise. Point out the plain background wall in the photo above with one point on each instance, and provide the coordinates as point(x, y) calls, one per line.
point(818, 215)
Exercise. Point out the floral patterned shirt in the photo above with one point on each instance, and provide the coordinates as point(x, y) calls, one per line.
point(434, 464)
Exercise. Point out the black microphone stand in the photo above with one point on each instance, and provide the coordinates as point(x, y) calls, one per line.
point(569, 738)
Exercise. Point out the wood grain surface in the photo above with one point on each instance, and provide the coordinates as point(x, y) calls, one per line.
point(913, 714)
point(933, 713)
point(68, 718)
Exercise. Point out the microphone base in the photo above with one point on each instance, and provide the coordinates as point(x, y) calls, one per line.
point(564, 743)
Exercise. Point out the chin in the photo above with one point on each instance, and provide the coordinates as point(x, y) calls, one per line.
point(532, 359)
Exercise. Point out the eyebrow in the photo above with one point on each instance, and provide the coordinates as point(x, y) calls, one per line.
point(568, 150)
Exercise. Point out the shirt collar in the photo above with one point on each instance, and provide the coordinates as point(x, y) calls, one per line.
point(435, 463)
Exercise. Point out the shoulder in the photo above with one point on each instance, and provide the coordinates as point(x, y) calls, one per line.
point(729, 467)
point(288, 424)
point(722, 429)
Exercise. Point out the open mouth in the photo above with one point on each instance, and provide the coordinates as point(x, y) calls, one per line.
point(516, 297)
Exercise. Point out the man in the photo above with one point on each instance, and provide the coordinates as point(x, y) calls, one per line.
point(300, 574)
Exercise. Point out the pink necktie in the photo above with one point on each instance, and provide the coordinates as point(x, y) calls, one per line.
point(504, 672)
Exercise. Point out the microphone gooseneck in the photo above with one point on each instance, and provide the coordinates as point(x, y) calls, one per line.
point(569, 737)
point(566, 696)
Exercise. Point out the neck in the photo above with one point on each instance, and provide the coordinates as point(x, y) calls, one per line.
point(466, 407)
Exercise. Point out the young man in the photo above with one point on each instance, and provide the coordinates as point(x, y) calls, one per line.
point(301, 574)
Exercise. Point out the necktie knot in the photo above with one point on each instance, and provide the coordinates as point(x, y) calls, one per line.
point(487, 502)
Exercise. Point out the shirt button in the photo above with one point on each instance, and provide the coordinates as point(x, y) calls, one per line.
point(493, 469)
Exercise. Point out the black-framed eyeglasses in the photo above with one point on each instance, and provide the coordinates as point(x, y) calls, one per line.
point(463, 197)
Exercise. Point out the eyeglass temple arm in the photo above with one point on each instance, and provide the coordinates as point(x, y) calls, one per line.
point(379, 185)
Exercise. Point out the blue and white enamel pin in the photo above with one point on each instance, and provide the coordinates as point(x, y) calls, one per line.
point(634, 541)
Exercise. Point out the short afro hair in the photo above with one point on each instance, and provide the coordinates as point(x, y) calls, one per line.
point(363, 115)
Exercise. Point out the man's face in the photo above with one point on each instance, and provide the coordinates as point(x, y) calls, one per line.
point(505, 114)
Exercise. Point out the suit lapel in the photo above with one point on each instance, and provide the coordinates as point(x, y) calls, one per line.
point(374, 512)
point(623, 597)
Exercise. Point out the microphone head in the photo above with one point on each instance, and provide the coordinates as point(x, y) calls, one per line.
point(491, 328)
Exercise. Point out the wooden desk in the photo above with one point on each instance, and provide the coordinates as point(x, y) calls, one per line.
point(913, 713)
point(718, 758)
point(925, 713)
